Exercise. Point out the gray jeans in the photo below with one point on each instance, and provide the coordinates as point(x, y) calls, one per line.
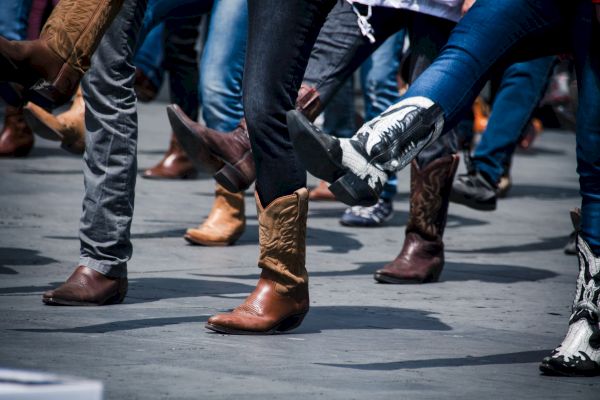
point(110, 164)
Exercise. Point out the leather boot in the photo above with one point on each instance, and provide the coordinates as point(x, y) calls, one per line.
point(227, 155)
point(86, 287)
point(67, 127)
point(16, 139)
point(175, 164)
point(225, 223)
point(321, 193)
point(422, 257)
point(280, 301)
point(53, 65)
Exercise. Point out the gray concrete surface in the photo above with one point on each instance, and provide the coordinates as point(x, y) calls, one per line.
point(501, 306)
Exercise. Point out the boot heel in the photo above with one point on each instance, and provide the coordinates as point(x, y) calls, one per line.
point(230, 179)
point(291, 322)
point(352, 190)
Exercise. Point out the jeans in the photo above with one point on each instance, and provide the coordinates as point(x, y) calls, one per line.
point(521, 30)
point(109, 161)
point(281, 35)
point(150, 55)
point(521, 88)
point(338, 116)
point(13, 19)
point(222, 65)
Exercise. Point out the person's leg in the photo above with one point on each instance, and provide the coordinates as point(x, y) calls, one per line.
point(520, 29)
point(16, 138)
point(578, 354)
point(280, 38)
point(180, 60)
point(109, 168)
point(150, 56)
point(520, 90)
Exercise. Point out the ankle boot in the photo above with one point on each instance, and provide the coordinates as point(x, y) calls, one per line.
point(67, 127)
point(87, 287)
point(280, 301)
point(16, 139)
point(422, 257)
point(579, 353)
point(227, 155)
point(53, 65)
point(225, 223)
point(175, 164)
point(358, 167)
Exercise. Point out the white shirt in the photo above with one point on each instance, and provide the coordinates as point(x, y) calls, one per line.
point(447, 9)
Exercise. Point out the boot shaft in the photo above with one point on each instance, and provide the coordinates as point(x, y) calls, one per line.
point(429, 196)
point(282, 238)
point(587, 296)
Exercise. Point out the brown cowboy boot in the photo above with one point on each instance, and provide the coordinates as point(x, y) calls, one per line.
point(67, 127)
point(321, 192)
point(280, 300)
point(227, 155)
point(16, 139)
point(225, 223)
point(175, 164)
point(422, 257)
point(53, 65)
point(86, 287)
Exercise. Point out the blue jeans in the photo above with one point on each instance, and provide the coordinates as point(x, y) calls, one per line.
point(13, 19)
point(520, 91)
point(222, 65)
point(521, 30)
point(150, 55)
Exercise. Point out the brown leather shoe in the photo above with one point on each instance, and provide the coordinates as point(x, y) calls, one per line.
point(144, 88)
point(16, 139)
point(175, 164)
point(67, 127)
point(56, 61)
point(422, 257)
point(86, 287)
point(227, 155)
point(321, 193)
point(225, 223)
point(280, 300)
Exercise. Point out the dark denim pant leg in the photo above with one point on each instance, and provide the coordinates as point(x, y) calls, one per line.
point(181, 61)
point(522, 87)
point(222, 65)
point(587, 57)
point(281, 35)
point(150, 56)
point(109, 162)
point(14, 15)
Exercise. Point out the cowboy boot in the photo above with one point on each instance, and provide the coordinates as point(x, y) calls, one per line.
point(16, 139)
point(422, 257)
point(175, 164)
point(225, 223)
point(53, 65)
point(87, 287)
point(321, 192)
point(67, 127)
point(280, 301)
point(227, 155)
point(358, 167)
point(579, 352)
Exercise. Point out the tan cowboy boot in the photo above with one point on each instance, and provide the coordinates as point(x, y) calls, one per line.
point(67, 127)
point(16, 139)
point(175, 164)
point(53, 65)
point(422, 257)
point(280, 301)
point(225, 223)
point(321, 192)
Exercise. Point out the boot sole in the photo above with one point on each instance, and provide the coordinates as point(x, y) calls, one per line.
point(116, 299)
point(460, 198)
point(380, 278)
point(287, 324)
point(319, 154)
point(40, 128)
point(208, 243)
point(547, 369)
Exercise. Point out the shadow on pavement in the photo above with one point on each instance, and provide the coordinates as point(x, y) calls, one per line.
point(523, 357)
point(543, 192)
point(453, 272)
point(551, 243)
point(18, 256)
